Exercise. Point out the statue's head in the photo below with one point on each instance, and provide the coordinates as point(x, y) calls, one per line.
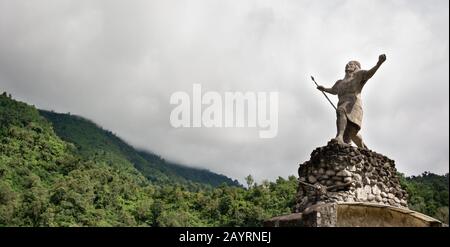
point(352, 67)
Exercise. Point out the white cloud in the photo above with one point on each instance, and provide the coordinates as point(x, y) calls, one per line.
point(118, 62)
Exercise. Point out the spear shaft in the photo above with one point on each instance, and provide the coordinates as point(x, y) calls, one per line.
point(324, 93)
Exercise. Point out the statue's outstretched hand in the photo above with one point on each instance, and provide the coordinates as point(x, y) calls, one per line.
point(321, 88)
point(381, 58)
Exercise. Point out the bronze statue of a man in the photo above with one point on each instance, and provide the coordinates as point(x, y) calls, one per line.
point(349, 109)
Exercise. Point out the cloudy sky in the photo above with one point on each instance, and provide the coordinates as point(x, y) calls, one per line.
point(118, 62)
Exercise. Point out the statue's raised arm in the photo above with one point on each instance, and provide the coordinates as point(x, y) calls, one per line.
point(367, 74)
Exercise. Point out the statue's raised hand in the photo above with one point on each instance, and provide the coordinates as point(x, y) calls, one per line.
point(381, 58)
point(321, 88)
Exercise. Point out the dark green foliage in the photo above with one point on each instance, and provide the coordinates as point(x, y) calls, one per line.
point(92, 141)
point(428, 194)
point(225, 205)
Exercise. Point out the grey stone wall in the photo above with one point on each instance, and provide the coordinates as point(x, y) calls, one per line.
point(354, 214)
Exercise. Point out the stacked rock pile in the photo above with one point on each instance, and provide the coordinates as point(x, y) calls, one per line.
point(342, 173)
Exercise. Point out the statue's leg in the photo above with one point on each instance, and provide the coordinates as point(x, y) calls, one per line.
point(348, 134)
point(341, 124)
point(357, 139)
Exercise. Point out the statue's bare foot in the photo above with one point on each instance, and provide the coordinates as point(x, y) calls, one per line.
point(340, 141)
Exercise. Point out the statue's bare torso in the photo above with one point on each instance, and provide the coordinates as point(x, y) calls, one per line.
point(349, 94)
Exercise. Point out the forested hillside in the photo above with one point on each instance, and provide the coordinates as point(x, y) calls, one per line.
point(43, 183)
point(47, 181)
point(428, 193)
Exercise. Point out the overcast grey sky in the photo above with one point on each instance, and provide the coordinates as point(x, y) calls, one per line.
point(118, 62)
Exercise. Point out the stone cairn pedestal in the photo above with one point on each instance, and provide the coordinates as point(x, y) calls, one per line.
point(341, 173)
point(347, 186)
